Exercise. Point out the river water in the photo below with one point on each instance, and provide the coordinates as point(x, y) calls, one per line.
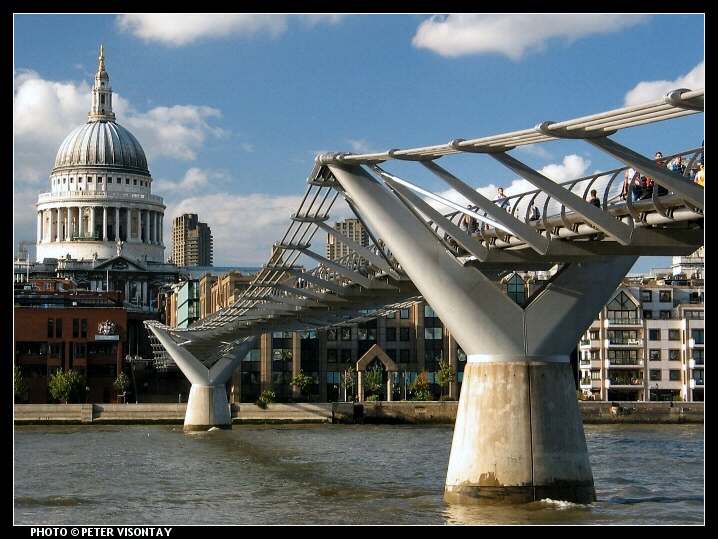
point(328, 475)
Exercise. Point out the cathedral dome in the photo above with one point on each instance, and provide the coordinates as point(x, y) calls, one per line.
point(102, 143)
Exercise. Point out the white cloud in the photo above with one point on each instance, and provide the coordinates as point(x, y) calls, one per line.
point(654, 90)
point(179, 29)
point(249, 225)
point(512, 35)
point(177, 132)
point(194, 180)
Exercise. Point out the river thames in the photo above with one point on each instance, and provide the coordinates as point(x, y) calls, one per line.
point(382, 475)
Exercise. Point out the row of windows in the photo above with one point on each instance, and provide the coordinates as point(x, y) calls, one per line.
point(626, 336)
point(79, 328)
point(142, 183)
point(54, 350)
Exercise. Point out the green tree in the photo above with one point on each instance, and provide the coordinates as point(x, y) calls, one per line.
point(67, 386)
point(348, 381)
point(372, 380)
point(267, 397)
point(122, 384)
point(421, 387)
point(445, 375)
point(303, 382)
point(19, 383)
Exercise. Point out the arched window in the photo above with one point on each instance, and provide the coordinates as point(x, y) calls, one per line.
point(516, 288)
point(622, 309)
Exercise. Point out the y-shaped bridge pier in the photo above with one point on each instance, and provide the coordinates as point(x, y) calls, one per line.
point(518, 435)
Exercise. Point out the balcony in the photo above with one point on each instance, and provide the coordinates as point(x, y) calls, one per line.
point(624, 322)
point(628, 382)
point(626, 342)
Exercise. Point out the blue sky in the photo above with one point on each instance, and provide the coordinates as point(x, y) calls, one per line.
point(232, 109)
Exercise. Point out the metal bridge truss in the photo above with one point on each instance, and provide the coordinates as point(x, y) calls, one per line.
point(369, 282)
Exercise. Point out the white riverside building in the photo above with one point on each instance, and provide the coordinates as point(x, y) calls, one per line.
point(648, 341)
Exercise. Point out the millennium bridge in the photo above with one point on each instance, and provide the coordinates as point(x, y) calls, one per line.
point(518, 435)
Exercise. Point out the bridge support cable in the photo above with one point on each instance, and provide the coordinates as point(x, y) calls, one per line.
point(597, 217)
point(518, 228)
point(416, 205)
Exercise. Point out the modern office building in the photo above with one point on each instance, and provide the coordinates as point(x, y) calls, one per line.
point(191, 241)
point(647, 343)
point(354, 230)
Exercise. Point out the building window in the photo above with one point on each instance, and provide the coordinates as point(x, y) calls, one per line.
point(699, 357)
point(647, 314)
point(58, 327)
point(404, 356)
point(332, 334)
point(674, 335)
point(698, 336)
point(127, 181)
point(403, 334)
point(674, 375)
point(654, 375)
point(346, 355)
point(460, 354)
point(331, 355)
point(79, 350)
point(622, 336)
point(390, 334)
point(621, 309)
point(404, 313)
point(346, 334)
point(694, 315)
point(79, 328)
point(664, 296)
point(654, 355)
point(647, 295)
point(654, 334)
point(665, 315)
point(50, 328)
point(516, 288)
point(134, 182)
point(593, 335)
point(674, 355)
point(54, 350)
point(109, 179)
point(391, 315)
point(433, 333)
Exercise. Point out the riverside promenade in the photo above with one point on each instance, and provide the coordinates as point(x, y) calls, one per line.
point(379, 412)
